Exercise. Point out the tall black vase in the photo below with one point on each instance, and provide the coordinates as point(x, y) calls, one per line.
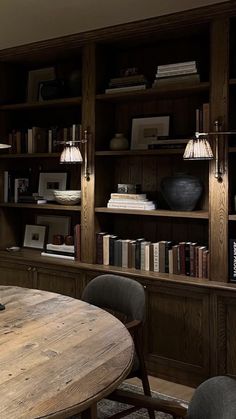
point(181, 192)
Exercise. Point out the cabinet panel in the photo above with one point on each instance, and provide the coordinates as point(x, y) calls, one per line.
point(177, 330)
point(56, 281)
point(225, 335)
point(18, 275)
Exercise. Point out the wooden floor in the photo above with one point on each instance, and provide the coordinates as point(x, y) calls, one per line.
point(166, 387)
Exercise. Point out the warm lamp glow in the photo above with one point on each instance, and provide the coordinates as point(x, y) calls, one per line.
point(2, 146)
point(198, 148)
point(71, 154)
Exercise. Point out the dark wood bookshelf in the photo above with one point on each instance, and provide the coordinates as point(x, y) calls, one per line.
point(56, 103)
point(155, 213)
point(57, 207)
point(30, 155)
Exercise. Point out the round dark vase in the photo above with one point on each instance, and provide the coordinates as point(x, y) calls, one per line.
point(181, 191)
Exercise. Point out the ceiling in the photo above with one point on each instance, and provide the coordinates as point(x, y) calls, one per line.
point(26, 21)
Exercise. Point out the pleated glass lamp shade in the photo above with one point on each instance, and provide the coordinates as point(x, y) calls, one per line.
point(2, 146)
point(198, 149)
point(71, 154)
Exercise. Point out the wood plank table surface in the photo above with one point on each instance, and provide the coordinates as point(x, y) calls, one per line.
point(58, 355)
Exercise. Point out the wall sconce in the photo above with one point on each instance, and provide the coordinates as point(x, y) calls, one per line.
point(198, 148)
point(71, 153)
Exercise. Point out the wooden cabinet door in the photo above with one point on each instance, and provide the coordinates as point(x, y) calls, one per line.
point(224, 344)
point(177, 333)
point(16, 274)
point(56, 281)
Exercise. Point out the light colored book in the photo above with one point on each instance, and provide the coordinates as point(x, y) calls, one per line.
point(60, 247)
point(138, 197)
point(30, 145)
point(182, 64)
point(156, 259)
point(175, 72)
point(142, 253)
point(125, 244)
point(147, 256)
point(170, 260)
point(55, 255)
point(144, 206)
point(106, 239)
point(129, 201)
point(125, 88)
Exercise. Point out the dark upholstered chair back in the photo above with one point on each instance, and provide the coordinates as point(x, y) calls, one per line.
point(214, 399)
point(117, 293)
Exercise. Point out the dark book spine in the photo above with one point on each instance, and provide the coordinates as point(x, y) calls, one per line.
point(182, 257)
point(187, 258)
point(232, 260)
point(192, 259)
point(77, 241)
point(117, 252)
point(99, 248)
point(138, 253)
point(111, 249)
point(168, 246)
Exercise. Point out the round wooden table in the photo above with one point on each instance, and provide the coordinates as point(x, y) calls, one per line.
point(59, 355)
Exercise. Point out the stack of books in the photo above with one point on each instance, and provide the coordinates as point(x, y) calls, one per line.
point(130, 201)
point(127, 83)
point(183, 258)
point(59, 250)
point(184, 72)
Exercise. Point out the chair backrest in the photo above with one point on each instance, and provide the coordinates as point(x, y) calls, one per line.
point(215, 398)
point(117, 293)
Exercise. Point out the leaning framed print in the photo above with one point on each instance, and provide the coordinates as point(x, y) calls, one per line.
point(49, 181)
point(147, 130)
point(35, 236)
point(57, 224)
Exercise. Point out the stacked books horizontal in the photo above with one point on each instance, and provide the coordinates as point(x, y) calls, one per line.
point(127, 83)
point(130, 201)
point(184, 72)
point(59, 250)
point(183, 258)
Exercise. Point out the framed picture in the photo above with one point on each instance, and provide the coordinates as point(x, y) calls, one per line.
point(146, 131)
point(48, 181)
point(57, 224)
point(35, 79)
point(35, 236)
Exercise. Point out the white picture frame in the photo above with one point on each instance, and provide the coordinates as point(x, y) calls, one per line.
point(35, 236)
point(147, 130)
point(56, 224)
point(49, 181)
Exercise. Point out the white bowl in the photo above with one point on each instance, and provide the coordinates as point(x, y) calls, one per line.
point(67, 197)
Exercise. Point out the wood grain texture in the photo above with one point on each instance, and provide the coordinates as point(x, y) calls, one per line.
point(218, 190)
point(59, 355)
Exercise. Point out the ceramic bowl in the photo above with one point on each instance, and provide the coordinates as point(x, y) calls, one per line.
point(67, 197)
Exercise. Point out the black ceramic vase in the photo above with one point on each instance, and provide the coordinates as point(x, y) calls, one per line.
point(181, 191)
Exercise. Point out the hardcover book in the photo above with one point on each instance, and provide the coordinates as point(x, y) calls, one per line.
point(232, 260)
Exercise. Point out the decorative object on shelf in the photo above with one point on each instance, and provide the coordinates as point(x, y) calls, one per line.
point(198, 148)
point(182, 191)
point(57, 224)
point(74, 83)
point(35, 77)
point(71, 153)
point(48, 182)
point(119, 142)
point(146, 131)
point(67, 197)
point(51, 89)
point(128, 188)
point(35, 236)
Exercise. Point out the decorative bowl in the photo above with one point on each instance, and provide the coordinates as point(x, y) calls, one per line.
point(67, 197)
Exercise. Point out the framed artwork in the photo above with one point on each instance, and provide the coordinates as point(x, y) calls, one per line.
point(35, 236)
point(146, 131)
point(35, 79)
point(57, 224)
point(49, 181)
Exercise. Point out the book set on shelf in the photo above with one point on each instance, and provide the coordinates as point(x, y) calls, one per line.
point(69, 247)
point(40, 140)
point(183, 72)
point(130, 201)
point(129, 80)
point(183, 258)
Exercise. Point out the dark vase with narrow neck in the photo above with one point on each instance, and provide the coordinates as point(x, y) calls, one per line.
point(181, 191)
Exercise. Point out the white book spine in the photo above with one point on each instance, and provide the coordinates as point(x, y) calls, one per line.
point(178, 65)
point(54, 255)
point(132, 197)
point(175, 72)
point(125, 253)
point(170, 259)
point(125, 88)
point(129, 206)
point(130, 201)
point(147, 257)
point(6, 185)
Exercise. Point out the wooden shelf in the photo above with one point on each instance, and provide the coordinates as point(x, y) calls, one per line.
point(232, 217)
point(156, 213)
point(56, 207)
point(29, 155)
point(140, 152)
point(162, 91)
point(72, 101)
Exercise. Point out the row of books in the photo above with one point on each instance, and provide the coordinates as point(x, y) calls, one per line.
point(40, 139)
point(183, 258)
point(176, 73)
point(17, 185)
point(63, 251)
point(130, 201)
point(203, 118)
point(127, 83)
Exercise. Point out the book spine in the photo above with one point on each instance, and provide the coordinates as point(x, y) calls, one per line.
point(162, 256)
point(192, 259)
point(77, 241)
point(187, 258)
point(138, 253)
point(6, 185)
point(111, 249)
point(99, 248)
point(147, 257)
point(118, 253)
point(125, 253)
point(182, 257)
point(106, 239)
point(232, 260)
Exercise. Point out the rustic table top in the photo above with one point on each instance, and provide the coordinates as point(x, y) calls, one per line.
point(58, 355)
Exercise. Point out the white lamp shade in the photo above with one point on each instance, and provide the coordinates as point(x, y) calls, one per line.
point(2, 146)
point(71, 154)
point(198, 149)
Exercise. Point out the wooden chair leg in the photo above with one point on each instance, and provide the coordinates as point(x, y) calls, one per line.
point(90, 413)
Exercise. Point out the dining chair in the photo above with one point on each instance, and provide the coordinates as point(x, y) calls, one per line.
point(125, 298)
point(215, 398)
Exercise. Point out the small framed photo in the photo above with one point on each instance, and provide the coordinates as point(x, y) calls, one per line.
point(147, 130)
point(49, 181)
point(35, 79)
point(57, 224)
point(35, 236)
